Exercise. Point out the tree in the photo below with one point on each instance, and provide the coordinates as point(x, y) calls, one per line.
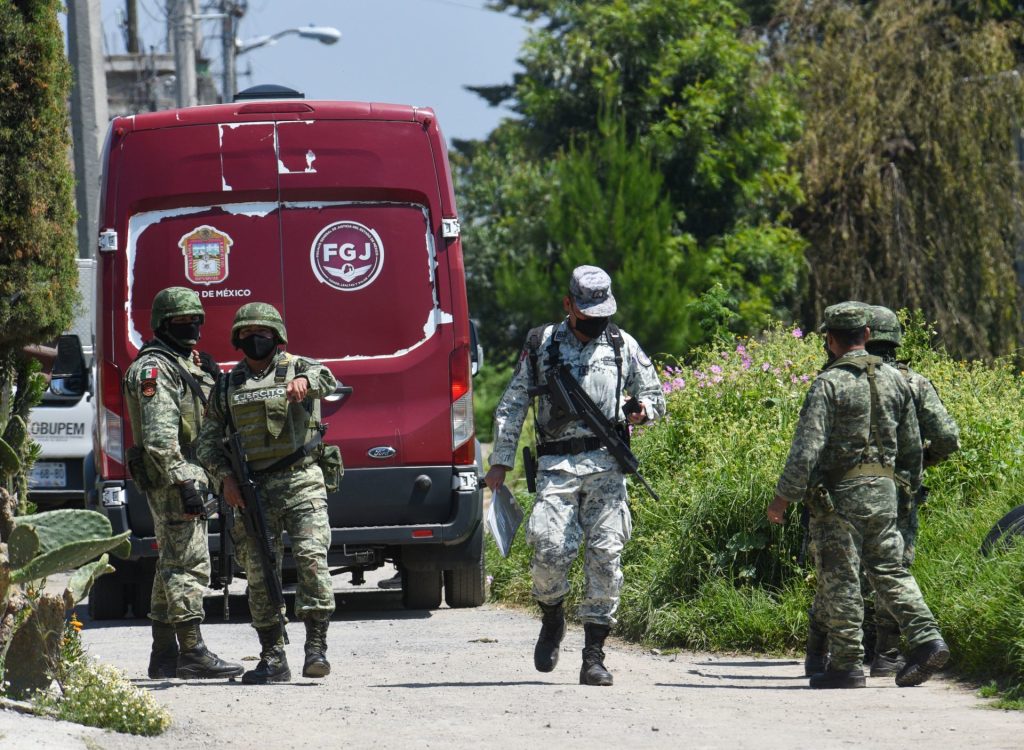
point(696, 97)
point(38, 276)
point(914, 190)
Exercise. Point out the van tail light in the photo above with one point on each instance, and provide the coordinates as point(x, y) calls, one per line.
point(463, 451)
point(111, 422)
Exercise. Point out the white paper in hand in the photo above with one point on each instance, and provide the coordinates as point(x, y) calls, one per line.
point(504, 518)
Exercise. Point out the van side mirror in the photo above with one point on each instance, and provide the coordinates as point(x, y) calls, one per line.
point(69, 367)
point(476, 351)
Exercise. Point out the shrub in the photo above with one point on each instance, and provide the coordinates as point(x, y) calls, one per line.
point(705, 570)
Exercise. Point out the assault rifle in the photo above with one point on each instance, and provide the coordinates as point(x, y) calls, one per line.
point(255, 520)
point(568, 397)
point(223, 574)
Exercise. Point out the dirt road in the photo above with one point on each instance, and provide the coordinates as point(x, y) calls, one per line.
point(465, 678)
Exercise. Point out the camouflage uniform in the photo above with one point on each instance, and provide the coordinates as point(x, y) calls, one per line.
point(579, 496)
point(294, 497)
point(856, 521)
point(165, 414)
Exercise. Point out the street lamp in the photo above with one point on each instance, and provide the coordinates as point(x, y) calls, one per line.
point(322, 34)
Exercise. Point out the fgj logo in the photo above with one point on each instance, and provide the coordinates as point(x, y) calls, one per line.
point(206, 255)
point(347, 255)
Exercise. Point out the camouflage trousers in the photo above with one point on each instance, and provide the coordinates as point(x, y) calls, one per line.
point(570, 510)
point(296, 502)
point(906, 525)
point(861, 530)
point(183, 562)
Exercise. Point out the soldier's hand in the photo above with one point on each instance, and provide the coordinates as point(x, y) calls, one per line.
point(638, 417)
point(777, 509)
point(208, 364)
point(496, 477)
point(297, 389)
point(232, 494)
point(191, 500)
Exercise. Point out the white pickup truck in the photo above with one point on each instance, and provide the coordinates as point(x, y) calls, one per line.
point(63, 423)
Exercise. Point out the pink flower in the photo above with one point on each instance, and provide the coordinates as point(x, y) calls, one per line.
point(666, 387)
point(716, 369)
point(794, 379)
point(765, 367)
point(716, 379)
point(678, 383)
point(746, 363)
point(797, 333)
point(740, 349)
point(805, 378)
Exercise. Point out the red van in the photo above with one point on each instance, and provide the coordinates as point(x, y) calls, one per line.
point(342, 215)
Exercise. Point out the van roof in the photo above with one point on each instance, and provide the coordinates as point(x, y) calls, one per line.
point(276, 109)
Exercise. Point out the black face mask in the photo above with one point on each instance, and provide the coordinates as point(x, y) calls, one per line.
point(257, 347)
point(591, 327)
point(180, 336)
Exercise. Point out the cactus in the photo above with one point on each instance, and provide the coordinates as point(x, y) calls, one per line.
point(10, 464)
point(40, 545)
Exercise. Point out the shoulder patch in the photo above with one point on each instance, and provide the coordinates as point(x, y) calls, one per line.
point(149, 373)
point(148, 388)
point(642, 359)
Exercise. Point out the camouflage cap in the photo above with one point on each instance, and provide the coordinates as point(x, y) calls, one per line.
point(172, 302)
point(885, 325)
point(259, 314)
point(845, 316)
point(591, 290)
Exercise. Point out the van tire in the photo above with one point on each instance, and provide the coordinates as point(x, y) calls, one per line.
point(1004, 531)
point(421, 589)
point(107, 598)
point(465, 587)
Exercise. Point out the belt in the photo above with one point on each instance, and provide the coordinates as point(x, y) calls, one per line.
point(872, 469)
point(569, 447)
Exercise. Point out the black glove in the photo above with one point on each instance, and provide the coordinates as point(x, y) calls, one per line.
point(191, 499)
point(209, 365)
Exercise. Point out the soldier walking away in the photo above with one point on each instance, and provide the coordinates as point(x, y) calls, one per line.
point(272, 399)
point(165, 389)
point(856, 437)
point(581, 488)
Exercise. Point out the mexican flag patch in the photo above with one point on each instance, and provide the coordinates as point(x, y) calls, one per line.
point(149, 373)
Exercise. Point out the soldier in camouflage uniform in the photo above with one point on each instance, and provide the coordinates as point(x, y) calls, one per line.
point(940, 438)
point(164, 389)
point(272, 398)
point(581, 491)
point(857, 436)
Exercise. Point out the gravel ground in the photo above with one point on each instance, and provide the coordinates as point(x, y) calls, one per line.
point(465, 678)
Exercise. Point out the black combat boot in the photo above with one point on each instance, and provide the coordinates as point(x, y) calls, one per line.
point(924, 661)
point(888, 659)
point(838, 678)
point(593, 672)
point(163, 658)
point(816, 658)
point(195, 661)
point(273, 666)
point(316, 664)
point(552, 631)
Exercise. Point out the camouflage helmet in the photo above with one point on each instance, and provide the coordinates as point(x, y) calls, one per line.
point(259, 314)
point(885, 326)
point(172, 302)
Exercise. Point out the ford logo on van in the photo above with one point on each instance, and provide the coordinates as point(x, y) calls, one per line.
point(381, 451)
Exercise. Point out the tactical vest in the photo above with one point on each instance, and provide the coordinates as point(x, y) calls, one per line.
point(865, 468)
point(271, 428)
point(190, 419)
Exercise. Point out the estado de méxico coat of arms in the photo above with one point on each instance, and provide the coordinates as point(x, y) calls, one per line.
point(206, 255)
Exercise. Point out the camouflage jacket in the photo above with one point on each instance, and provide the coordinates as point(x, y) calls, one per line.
point(593, 365)
point(939, 432)
point(833, 432)
point(210, 448)
point(165, 415)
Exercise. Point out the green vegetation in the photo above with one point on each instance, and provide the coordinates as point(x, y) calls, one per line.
point(99, 695)
point(705, 570)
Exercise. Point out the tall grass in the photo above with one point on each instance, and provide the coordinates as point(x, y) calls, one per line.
point(705, 570)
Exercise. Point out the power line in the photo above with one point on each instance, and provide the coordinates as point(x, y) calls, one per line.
point(457, 4)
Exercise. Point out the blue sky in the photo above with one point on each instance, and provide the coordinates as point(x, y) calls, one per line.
point(419, 52)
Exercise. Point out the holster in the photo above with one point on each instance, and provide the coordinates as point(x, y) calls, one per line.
point(530, 468)
point(819, 501)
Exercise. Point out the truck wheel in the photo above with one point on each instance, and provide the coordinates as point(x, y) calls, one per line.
point(142, 587)
point(465, 587)
point(421, 589)
point(1005, 531)
point(107, 598)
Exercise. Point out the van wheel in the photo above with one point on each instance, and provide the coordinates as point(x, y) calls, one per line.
point(465, 587)
point(421, 589)
point(107, 599)
point(1004, 532)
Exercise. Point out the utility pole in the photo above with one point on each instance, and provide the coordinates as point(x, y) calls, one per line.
point(131, 20)
point(88, 116)
point(229, 8)
point(182, 22)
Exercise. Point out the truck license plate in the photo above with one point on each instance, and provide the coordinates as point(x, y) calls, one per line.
point(48, 474)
